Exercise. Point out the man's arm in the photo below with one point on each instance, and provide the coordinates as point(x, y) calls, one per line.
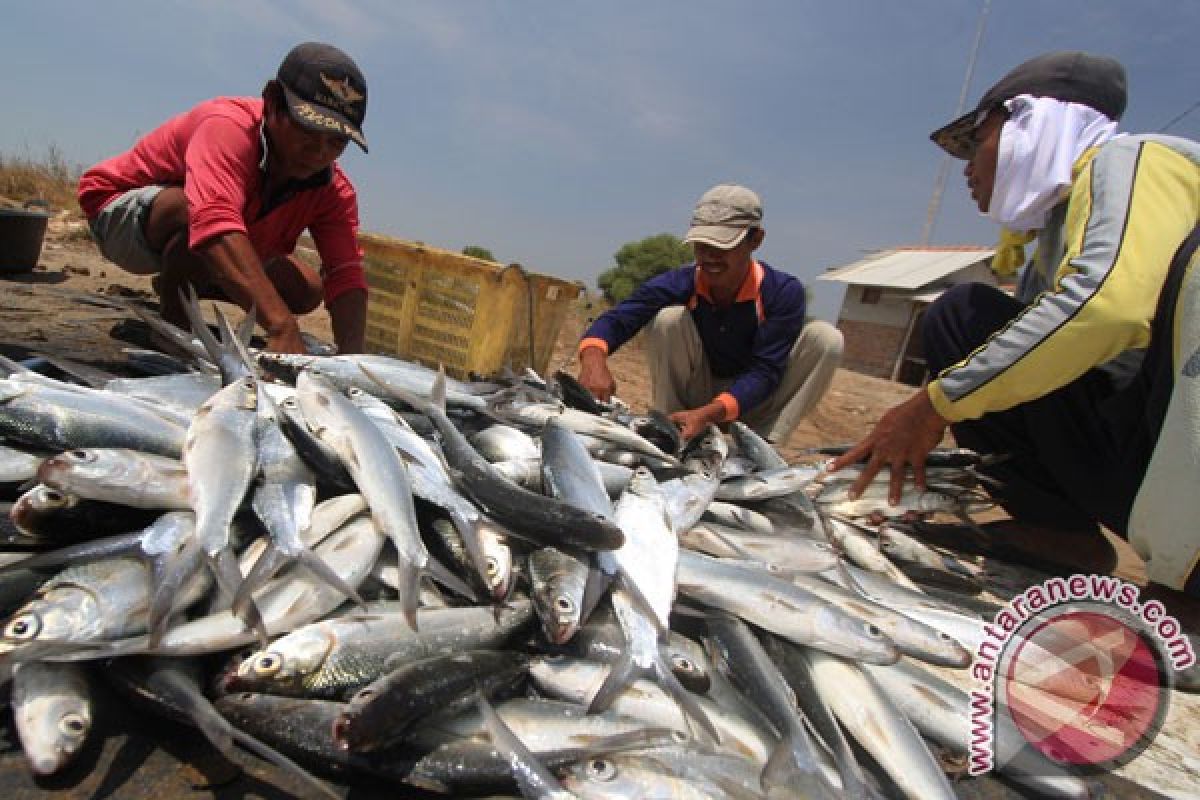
point(348, 313)
point(619, 324)
point(234, 265)
point(594, 374)
point(1130, 209)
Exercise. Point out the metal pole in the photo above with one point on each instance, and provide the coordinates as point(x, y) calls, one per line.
point(939, 183)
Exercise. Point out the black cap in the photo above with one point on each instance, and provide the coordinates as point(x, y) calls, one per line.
point(325, 90)
point(1070, 76)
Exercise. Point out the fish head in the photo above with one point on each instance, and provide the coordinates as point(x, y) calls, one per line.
point(53, 730)
point(690, 671)
point(867, 641)
point(286, 665)
point(22, 628)
point(559, 610)
point(81, 461)
point(282, 366)
point(498, 567)
point(643, 483)
point(37, 503)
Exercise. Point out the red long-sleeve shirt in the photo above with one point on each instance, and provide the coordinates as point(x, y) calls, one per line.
point(214, 151)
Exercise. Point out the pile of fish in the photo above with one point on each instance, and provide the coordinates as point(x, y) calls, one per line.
point(474, 588)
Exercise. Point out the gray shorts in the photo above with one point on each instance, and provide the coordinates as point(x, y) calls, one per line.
point(120, 231)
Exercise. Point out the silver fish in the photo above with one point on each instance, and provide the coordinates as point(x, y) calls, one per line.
point(781, 607)
point(879, 727)
point(379, 472)
point(128, 477)
point(52, 709)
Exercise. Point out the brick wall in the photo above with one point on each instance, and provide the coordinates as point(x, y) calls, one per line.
point(870, 348)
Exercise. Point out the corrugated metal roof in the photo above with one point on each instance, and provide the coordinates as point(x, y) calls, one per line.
point(907, 268)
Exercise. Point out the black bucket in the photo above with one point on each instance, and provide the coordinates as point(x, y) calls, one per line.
point(21, 234)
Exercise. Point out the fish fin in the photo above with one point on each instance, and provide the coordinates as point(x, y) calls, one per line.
point(440, 573)
point(317, 566)
point(620, 676)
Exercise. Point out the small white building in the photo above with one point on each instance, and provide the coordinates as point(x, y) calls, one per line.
point(885, 300)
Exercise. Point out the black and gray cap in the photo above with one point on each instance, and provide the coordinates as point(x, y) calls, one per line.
point(1070, 76)
point(325, 90)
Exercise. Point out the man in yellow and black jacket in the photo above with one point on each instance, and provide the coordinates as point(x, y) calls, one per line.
point(1072, 377)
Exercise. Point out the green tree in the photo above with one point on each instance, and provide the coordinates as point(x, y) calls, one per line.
point(475, 251)
point(640, 261)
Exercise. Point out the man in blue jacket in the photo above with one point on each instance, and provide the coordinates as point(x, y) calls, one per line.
point(726, 336)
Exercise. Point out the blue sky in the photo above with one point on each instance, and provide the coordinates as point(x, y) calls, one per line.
point(554, 131)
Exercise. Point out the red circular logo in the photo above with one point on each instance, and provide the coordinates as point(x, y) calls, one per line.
point(1085, 688)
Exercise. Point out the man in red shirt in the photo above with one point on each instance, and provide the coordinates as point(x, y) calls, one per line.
point(218, 196)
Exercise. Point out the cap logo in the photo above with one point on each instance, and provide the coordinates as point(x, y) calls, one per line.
point(311, 115)
point(342, 90)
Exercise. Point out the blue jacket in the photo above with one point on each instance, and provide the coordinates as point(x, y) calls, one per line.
point(748, 341)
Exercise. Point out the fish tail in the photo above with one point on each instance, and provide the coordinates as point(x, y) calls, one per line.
point(225, 568)
point(268, 564)
point(409, 588)
point(170, 572)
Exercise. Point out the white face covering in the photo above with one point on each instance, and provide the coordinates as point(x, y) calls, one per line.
point(1039, 144)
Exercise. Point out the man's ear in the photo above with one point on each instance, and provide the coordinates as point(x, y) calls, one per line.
point(757, 236)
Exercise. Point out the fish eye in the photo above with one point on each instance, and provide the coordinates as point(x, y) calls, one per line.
point(683, 663)
point(680, 737)
point(290, 402)
point(874, 632)
point(53, 496)
point(73, 724)
point(354, 391)
point(601, 769)
point(268, 664)
point(564, 605)
point(83, 456)
point(365, 694)
point(492, 567)
point(23, 628)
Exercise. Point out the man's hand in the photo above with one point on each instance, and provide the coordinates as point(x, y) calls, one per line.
point(696, 420)
point(594, 374)
point(904, 435)
point(286, 341)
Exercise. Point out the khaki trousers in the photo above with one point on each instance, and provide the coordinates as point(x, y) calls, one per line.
point(681, 377)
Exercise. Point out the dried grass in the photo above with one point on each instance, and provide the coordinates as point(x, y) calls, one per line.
point(47, 180)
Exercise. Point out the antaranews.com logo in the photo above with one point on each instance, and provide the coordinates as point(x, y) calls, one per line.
point(1077, 669)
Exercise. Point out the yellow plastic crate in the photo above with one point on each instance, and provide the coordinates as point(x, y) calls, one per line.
point(469, 315)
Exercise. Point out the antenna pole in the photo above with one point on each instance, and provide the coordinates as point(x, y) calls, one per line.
point(939, 183)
